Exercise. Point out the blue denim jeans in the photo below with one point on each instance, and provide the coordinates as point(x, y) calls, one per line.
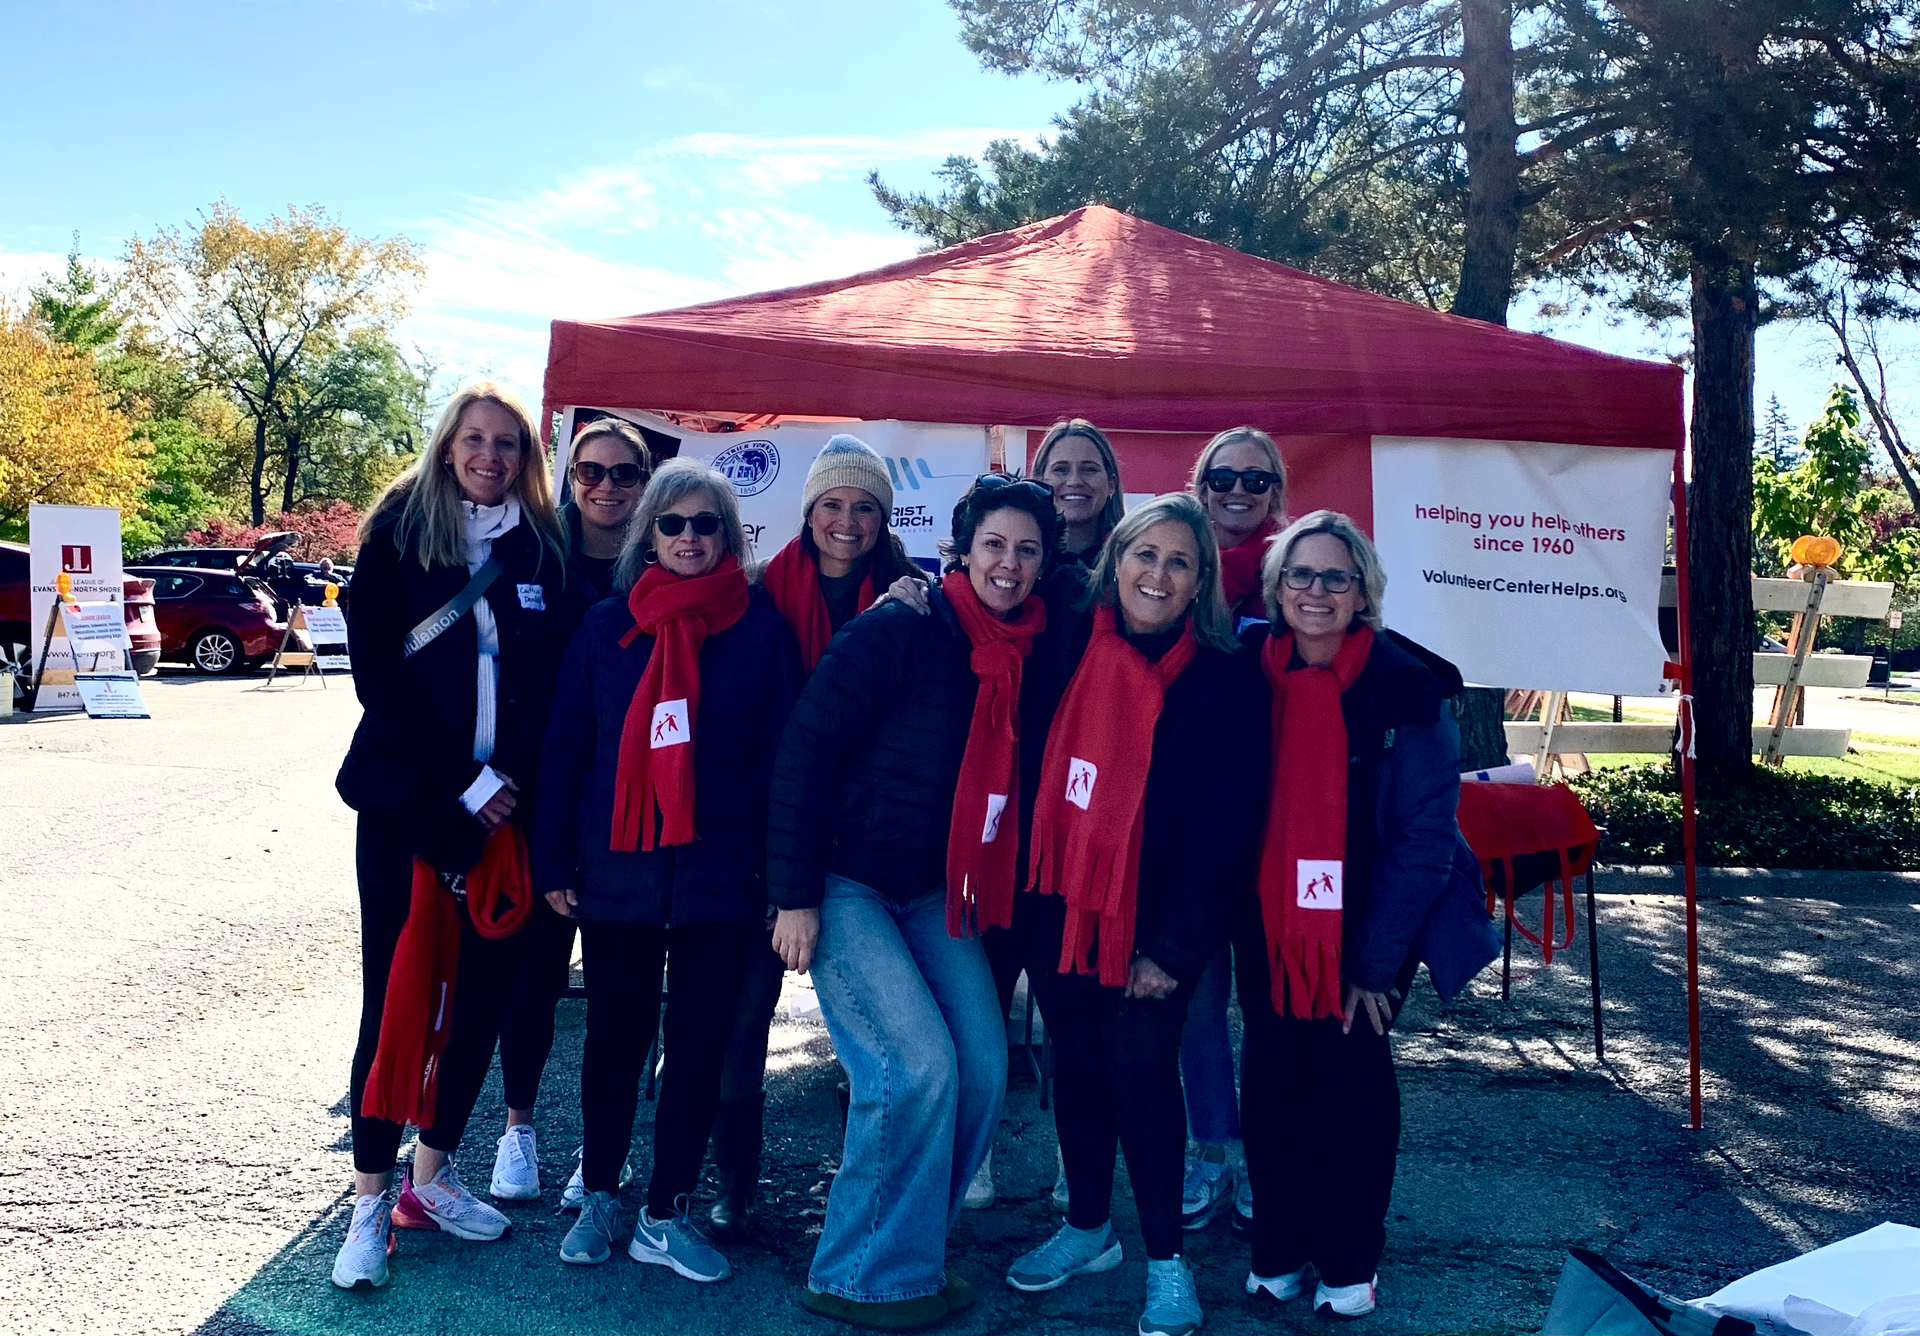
point(1206, 1057)
point(916, 1024)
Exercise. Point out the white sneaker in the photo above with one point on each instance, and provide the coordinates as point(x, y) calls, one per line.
point(1347, 1300)
point(980, 1193)
point(445, 1201)
point(516, 1167)
point(574, 1195)
point(362, 1260)
point(1060, 1195)
point(1289, 1286)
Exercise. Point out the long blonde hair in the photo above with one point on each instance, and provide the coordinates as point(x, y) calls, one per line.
point(1366, 562)
point(1261, 441)
point(427, 496)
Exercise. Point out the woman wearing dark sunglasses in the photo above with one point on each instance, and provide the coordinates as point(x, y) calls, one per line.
point(887, 855)
point(659, 753)
point(605, 475)
point(1242, 485)
point(1363, 874)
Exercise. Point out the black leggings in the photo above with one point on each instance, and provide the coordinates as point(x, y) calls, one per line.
point(1116, 1083)
point(624, 965)
point(762, 971)
point(1320, 1117)
point(384, 863)
point(543, 958)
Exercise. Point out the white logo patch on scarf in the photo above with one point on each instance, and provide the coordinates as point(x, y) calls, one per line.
point(533, 598)
point(996, 804)
point(1080, 778)
point(1319, 883)
point(670, 725)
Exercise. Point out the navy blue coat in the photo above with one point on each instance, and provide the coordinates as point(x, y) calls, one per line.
point(749, 676)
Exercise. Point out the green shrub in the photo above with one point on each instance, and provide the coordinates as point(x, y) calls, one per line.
point(1778, 819)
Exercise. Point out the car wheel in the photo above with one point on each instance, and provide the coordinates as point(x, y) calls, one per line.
point(215, 652)
point(16, 658)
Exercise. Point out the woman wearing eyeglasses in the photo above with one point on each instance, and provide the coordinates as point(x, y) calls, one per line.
point(889, 849)
point(651, 834)
point(1145, 830)
point(1363, 874)
point(608, 466)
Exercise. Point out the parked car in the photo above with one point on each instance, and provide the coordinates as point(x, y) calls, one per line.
point(16, 617)
point(215, 621)
point(202, 558)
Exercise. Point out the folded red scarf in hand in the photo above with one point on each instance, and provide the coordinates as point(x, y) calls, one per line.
point(792, 581)
point(417, 1018)
point(1093, 786)
point(1303, 854)
point(1240, 571)
point(655, 770)
point(982, 848)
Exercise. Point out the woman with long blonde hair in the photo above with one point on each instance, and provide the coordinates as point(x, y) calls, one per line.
point(460, 613)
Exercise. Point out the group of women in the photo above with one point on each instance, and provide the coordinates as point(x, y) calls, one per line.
point(1139, 755)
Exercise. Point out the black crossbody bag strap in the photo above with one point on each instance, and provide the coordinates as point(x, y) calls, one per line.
point(452, 611)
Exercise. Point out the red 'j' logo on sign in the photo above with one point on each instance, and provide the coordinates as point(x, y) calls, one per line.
point(670, 727)
point(76, 558)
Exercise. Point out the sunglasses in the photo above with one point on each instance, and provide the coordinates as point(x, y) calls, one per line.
point(624, 476)
point(1334, 582)
point(1000, 482)
point(1255, 481)
point(706, 524)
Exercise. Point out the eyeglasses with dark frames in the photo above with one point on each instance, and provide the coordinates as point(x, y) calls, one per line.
point(1256, 482)
point(1334, 581)
point(624, 476)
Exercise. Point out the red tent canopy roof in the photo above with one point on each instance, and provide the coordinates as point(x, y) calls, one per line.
point(1099, 314)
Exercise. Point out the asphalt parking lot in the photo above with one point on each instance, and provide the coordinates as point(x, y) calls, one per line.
point(178, 995)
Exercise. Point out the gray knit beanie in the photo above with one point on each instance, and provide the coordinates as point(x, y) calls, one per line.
point(848, 461)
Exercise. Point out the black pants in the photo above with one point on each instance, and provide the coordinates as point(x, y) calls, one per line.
point(1116, 1083)
point(385, 867)
point(1004, 959)
point(1320, 1116)
point(625, 963)
point(762, 971)
point(543, 958)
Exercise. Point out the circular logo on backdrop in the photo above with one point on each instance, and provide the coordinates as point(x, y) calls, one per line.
point(751, 466)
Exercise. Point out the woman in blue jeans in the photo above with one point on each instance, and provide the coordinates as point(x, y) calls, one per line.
point(886, 857)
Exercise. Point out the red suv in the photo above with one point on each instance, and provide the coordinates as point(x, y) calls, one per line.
point(216, 621)
point(16, 617)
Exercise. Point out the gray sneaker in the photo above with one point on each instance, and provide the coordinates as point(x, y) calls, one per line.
point(1173, 1306)
point(590, 1241)
point(1070, 1252)
point(575, 1193)
point(676, 1243)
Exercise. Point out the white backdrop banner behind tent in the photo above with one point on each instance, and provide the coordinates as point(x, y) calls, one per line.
point(930, 465)
point(83, 541)
point(1528, 565)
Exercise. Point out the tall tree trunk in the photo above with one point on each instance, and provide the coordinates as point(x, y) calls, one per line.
point(257, 489)
point(1720, 516)
point(1486, 267)
point(293, 470)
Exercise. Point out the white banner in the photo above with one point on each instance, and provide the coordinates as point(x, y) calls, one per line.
point(929, 464)
point(83, 541)
point(1528, 565)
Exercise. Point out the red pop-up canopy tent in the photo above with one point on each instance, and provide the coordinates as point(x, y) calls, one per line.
point(1144, 330)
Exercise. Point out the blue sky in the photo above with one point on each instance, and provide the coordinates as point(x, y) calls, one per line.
point(574, 158)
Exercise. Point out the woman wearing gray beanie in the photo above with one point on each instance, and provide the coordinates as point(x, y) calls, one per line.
point(828, 573)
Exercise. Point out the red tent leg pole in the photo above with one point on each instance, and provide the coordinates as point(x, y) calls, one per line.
point(1689, 824)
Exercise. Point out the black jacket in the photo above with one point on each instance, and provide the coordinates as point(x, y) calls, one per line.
point(412, 754)
point(749, 675)
point(1411, 886)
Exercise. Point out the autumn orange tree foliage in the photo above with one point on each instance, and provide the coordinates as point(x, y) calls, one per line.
point(61, 439)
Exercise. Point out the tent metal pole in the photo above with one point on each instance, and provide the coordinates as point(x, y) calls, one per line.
point(1689, 824)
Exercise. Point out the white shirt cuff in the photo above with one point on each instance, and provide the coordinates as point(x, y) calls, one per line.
point(482, 789)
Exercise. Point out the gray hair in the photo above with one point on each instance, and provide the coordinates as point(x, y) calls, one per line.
point(672, 483)
point(1366, 560)
point(1212, 623)
point(1253, 436)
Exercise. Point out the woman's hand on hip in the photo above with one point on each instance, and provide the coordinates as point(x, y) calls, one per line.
point(1379, 1010)
point(500, 806)
point(563, 902)
point(795, 933)
point(1149, 980)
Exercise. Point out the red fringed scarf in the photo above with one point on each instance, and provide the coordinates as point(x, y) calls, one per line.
point(1240, 570)
point(792, 580)
point(1093, 785)
point(1303, 854)
point(981, 847)
point(416, 1020)
point(655, 771)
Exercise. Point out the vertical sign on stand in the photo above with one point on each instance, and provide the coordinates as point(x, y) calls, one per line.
point(84, 543)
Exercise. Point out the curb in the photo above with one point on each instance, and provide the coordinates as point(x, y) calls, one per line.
point(1840, 886)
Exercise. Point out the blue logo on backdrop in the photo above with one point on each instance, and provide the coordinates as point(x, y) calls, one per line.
point(751, 466)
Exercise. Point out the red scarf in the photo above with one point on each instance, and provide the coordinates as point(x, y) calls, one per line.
point(656, 742)
point(1093, 786)
point(1240, 569)
point(792, 580)
point(417, 1018)
point(981, 867)
point(1303, 854)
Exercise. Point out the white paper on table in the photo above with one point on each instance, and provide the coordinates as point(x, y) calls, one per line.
point(1848, 1277)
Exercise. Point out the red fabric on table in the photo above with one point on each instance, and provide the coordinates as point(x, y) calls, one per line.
point(1503, 821)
